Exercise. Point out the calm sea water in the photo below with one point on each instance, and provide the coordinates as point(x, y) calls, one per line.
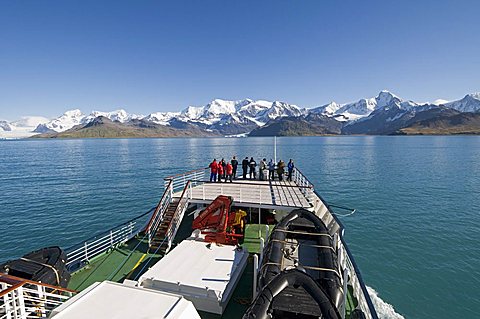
point(416, 235)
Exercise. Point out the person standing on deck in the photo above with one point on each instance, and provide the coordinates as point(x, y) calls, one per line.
point(252, 165)
point(280, 170)
point(245, 167)
point(224, 165)
point(228, 172)
point(271, 170)
point(263, 168)
point(213, 170)
point(290, 167)
point(234, 163)
point(220, 172)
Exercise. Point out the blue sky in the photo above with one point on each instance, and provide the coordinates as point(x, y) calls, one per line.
point(163, 56)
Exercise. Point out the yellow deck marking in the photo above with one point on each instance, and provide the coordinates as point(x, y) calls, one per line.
point(136, 265)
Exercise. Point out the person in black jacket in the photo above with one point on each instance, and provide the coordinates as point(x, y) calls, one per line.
point(245, 167)
point(252, 165)
point(234, 163)
point(224, 165)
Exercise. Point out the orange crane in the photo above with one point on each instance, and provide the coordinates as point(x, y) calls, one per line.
point(219, 224)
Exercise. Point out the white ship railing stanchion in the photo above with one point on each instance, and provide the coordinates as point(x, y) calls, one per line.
point(262, 246)
point(345, 287)
point(86, 251)
point(21, 303)
point(255, 275)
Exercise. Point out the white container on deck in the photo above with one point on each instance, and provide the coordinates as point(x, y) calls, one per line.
point(204, 273)
point(113, 300)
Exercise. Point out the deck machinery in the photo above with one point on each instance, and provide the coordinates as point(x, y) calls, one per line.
point(219, 224)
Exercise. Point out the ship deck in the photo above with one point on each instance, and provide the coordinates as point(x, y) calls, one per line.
point(118, 264)
point(252, 193)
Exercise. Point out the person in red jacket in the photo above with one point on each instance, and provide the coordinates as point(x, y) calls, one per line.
point(219, 172)
point(229, 172)
point(213, 170)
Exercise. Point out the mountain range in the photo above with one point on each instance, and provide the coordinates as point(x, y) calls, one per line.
point(384, 114)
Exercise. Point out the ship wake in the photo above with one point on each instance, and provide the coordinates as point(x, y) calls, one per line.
point(384, 309)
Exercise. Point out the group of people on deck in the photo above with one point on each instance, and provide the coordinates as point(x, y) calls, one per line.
point(227, 171)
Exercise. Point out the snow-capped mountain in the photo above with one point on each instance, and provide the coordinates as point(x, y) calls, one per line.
point(4, 126)
point(162, 118)
point(68, 120)
point(219, 110)
point(382, 114)
point(362, 108)
point(75, 117)
point(470, 103)
point(216, 115)
point(118, 115)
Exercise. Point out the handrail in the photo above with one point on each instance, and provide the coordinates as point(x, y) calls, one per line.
point(22, 298)
point(180, 180)
point(303, 175)
point(12, 288)
point(251, 183)
point(178, 214)
point(83, 252)
point(24, 281)
point(159, 212)
point(157, 208)
point(171, 177)
point(110, 229)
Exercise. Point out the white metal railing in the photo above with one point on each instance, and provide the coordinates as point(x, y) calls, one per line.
point(359, 290)
point(199, 176)
point(179, 181)
point(83, 252)
point(178, 215)
point(307, 187)
point(159, 213)
point(23, 299)
point(246, 192)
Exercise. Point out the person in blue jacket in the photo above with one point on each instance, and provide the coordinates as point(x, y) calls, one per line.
point(271, 170)
point(290, 167)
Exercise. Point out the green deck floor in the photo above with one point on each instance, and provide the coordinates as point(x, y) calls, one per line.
point(351, 302)
point(115, 265)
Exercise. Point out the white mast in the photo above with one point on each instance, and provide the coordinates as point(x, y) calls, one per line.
point(275, 149)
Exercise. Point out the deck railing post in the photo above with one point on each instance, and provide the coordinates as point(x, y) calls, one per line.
point(255, 275)
point(41, 295)
point(344, 304)
point(86, 251)
point(21, 303)
point(111, 239)
point(262, 247)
